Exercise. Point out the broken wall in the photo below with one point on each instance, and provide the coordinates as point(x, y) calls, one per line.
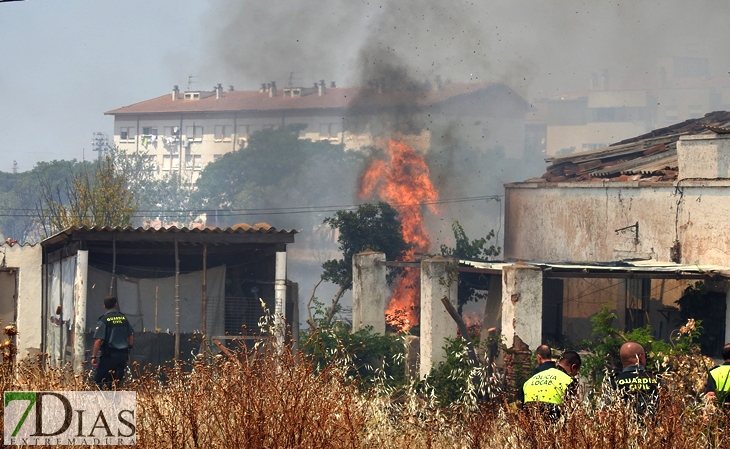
point(578, 221)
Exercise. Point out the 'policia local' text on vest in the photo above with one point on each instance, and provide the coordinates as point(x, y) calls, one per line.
point(547, 386)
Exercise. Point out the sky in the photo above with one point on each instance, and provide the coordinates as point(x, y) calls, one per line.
point(63, 64)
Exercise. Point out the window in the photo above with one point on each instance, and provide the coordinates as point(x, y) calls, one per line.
point(671, 114)
point(695, 111)
point(151, 163)
point(171, 131)
point(222, 133)
point(217, 157)
point(637, 302)
point(149, 130)
point(126, 133)
point(193, 162)
point(330, 130)
point(194, 133)
point(192, 95)
point(170, 162)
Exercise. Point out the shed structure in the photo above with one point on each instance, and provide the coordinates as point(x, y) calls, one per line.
point(180, 287)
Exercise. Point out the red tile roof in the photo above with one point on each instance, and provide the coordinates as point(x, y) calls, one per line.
point(333, 98)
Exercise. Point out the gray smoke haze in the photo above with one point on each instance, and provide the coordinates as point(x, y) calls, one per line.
point(538, 49)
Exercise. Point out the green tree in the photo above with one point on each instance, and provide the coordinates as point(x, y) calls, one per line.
point(373, 226)
point(470, 284)
point(278, 169)
point(98, 195)
point(19, 195)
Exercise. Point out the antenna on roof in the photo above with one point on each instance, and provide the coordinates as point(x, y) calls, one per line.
point(190, 81)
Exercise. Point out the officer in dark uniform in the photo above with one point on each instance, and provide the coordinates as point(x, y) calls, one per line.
point(114, 337)
point(544, 356)
point(718, 380)
point(634, 385)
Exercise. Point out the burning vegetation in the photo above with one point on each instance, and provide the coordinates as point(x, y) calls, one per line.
point(401, 178)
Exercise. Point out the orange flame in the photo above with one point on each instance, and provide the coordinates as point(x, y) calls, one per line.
point(403, 181)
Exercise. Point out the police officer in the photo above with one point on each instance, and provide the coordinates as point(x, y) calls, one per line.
point(544, 356)
point(718, 381)
point(547, 389)
point(114, 337)
point(634, 384)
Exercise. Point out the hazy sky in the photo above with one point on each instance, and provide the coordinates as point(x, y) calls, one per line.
point(63, 63)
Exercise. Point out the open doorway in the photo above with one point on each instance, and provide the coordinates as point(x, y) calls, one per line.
point(8, 297)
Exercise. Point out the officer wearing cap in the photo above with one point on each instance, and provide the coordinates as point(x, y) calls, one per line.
point(113, 339)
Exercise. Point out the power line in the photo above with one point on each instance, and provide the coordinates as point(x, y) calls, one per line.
point(23, 212)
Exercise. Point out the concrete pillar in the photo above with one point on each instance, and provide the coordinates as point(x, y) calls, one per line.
point(439, 278)
point(522, 304)
point(80, 293)
point(368, 291)
point(280, 295)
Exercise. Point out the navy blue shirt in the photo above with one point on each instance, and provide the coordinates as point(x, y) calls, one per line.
point(114, 329)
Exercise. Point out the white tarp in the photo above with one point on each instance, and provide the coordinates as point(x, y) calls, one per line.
point(137, 298)
point(61, 276)
point(68, 274)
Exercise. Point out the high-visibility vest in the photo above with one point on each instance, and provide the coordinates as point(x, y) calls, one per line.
point(721, 376)
point(547, 386)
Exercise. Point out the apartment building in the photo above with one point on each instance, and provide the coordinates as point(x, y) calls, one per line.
point(680, 89)
point(183, 131)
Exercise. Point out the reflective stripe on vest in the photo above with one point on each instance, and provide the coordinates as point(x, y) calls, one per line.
point(721, 376)
point(547, 386)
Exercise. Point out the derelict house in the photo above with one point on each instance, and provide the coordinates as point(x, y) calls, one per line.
point(630, 225)
point(175, 285)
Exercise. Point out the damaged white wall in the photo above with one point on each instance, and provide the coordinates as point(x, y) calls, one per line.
point(577, 221)
point(27, 260)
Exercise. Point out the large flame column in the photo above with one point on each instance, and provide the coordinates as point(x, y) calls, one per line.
point(368, 291)
point(439, 278)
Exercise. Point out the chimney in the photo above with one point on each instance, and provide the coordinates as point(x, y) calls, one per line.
point(175, 92)
point(272, 90)
point(332, 85)
point(230, 88)
point(218, 91)
point(703, 156)
point(264, 88)
point(321, 88)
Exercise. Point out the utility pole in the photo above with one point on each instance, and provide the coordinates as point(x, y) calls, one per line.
point(99, 143)
point(15, 167)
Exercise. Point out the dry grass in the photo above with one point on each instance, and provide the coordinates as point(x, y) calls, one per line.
point(267, 398)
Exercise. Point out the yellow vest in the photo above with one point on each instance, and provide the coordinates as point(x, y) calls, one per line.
point(547, 386)
point(721, 376)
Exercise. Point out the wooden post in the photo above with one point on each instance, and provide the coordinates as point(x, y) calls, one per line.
point(204, 327)
point(177, 302)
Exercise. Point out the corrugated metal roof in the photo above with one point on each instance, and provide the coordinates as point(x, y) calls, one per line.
point(242, 228)
point(622, 266)
point(649, 155)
